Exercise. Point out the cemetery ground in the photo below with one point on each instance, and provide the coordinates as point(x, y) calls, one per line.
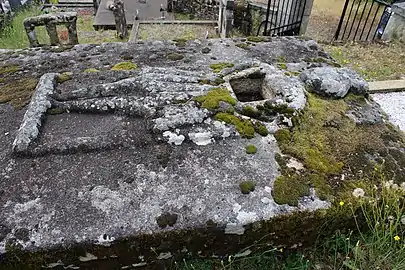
point(375, 61)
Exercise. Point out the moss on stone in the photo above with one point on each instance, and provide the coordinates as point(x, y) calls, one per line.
point(261, 129)
point(251, 112)
point(54, 111)
point(281, 59)
point(242, 45)
point(295, 73)
point(247, 186)
point(327, 151)
point(18, 93)
point(244, 127)
point(218, 67)
point(91, 70)
point(283, 136)
point(63, 77)
point(288, 190)
point(251, 149)
point(273, 109)
point(282, 66)
point(8, 69)
point(175, 56)
point(255, 39)
point(124, 66)
point(180, 42)
point(213, 97)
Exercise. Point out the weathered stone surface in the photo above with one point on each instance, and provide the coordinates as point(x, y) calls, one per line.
point(131, 149)
point(334, 82)
point(40, 103)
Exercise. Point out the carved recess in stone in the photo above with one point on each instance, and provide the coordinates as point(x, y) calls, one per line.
point(266, 83)
point(50, 21)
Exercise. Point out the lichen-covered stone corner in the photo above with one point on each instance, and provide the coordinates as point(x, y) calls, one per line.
point(127, 162)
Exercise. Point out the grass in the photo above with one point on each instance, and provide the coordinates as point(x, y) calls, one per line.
point(373, 61)
point(14, 36)
point(379, 244)
point(175, 31)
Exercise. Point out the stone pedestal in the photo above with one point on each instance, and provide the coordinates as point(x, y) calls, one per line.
point(225, 18)
point(395, 28)
point(50, 21)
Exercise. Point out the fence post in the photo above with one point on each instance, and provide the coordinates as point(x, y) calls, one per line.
point(342, 17)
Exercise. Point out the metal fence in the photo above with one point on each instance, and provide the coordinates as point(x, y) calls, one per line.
point(363, 20)
point(283, 17)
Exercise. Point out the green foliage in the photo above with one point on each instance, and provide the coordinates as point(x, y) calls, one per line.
point(13, 36)
point(247, 186)
point(91, 70)
point(213, 97)
point(255, 39)
point(283, 136)
point(251, 149)
point(124, 66)
point(175, 56)
point(288, 189)
point(218, 67)
point(244, 127)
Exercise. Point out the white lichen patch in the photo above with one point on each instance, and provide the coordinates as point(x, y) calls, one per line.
point(88, 257)
point(173, 138)
point(201, 138)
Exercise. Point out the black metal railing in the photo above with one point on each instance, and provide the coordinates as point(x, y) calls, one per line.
point(363, 20)
point(283, 17)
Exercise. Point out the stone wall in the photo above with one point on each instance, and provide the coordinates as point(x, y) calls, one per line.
point(201, 9)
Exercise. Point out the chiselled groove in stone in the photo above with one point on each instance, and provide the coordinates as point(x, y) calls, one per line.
point(122, 87)
point(84, 144)
point(37, 108)
point(129, 105)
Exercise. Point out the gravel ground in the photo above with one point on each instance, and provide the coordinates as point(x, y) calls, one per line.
point(394, 105)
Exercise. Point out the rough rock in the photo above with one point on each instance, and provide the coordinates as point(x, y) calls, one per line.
point(334, 82)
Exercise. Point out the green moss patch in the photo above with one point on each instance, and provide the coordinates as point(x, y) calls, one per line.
point(255, 39)
point(288, 189)
point(9, 69)
point(91, 70)
point(55, 111)
point(329, 144)
point(282, 66)
point(247, 186)
point(218, 67)
point(18, 93)
point(63, 77)
point(124, 66)
point(242, 45)
point(212, 98)
point(175, 56)
point(261, 129)
point(180, 42)
point(217, 81)
point(251, 149)
point(244, 127)
point(251, 112)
